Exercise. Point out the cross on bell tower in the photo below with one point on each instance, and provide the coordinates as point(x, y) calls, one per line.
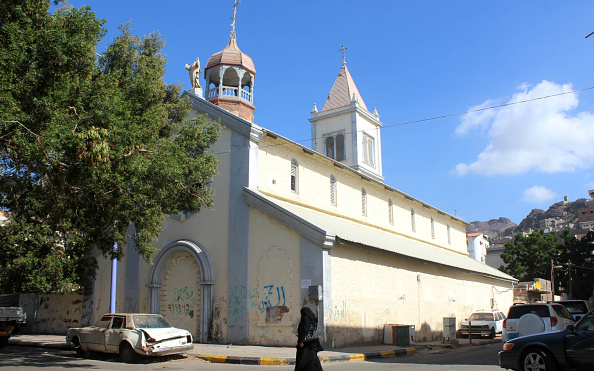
point(344, 48)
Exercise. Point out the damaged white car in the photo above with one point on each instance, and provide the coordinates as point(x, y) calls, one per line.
point(130, 335)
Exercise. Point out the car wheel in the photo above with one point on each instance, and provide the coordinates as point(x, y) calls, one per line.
point(492, 333)
point(538, 360)
point(79, 351)
point(127, 354)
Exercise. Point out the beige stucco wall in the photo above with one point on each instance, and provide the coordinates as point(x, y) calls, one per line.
point(314, 191)
point(56, 313)
point(208, 228)
point(274, 283)
point(371, 289)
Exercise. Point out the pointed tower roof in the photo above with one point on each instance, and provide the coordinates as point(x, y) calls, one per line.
point(342, 91)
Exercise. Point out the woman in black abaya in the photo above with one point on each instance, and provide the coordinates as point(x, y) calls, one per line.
point(308, 345)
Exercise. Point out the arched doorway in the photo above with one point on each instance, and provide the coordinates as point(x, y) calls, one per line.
point(181, 288)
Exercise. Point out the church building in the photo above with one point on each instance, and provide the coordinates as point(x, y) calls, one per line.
point(294, 226)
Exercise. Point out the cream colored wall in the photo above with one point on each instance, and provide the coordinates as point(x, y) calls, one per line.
point(56, 313)
point(274, 282)
point(314, 190)
point(103, 288)
point(208, 228)
point(372, 289)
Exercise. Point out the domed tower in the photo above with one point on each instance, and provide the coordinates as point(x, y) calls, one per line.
point(229, 76)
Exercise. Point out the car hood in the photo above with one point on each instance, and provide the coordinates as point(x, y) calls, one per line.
point(543, 337)
point(160, 334)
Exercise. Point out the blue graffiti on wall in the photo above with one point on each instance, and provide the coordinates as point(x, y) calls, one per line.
point(274, 296)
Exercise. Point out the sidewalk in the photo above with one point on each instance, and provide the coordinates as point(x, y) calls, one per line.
point(262, 355)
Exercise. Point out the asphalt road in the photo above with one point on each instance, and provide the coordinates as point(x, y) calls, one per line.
point(466, 358)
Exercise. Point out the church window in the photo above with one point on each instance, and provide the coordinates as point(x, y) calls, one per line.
point(330, 147)
point(340, 147)
point(390, 212)
point(449, 235)
point(364, 202)
point(432, 228)
point(335, 146)
point(368, 150)
point(412, 220)
point(332, 190)
point(294, 175)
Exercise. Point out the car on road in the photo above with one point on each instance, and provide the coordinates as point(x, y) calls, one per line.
point(569, 349)
point(130, 335)
point(533, 318)
point(577, 308)
point(483, 323)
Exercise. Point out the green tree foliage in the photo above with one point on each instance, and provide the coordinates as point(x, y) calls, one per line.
point(529, 257)
point(89, 145)
point(577, 256)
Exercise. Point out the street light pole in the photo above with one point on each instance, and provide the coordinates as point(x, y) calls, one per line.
point(553, 266)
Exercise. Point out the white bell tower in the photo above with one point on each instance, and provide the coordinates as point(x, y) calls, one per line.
point(345, 130)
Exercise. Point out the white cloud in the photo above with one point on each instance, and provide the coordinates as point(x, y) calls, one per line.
point(538, 194)
point(543, 135)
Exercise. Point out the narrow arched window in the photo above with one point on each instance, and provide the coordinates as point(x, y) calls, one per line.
point(294, 176)
point(332, 190)
point(340, 147)
point(364, 202)
point(449, 235)
point(412, 220)
point(432, 228)
point(330, 147)
point(390, 212)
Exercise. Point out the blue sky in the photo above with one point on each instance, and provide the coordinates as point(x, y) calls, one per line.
point(415, 60)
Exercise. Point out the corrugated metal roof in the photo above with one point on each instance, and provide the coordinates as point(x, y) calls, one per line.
point(342, 91)
point(349, 230)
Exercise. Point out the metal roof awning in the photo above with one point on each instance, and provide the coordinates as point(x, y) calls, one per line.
point(341, 229)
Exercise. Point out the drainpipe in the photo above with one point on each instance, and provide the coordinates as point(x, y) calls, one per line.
point(114, 276)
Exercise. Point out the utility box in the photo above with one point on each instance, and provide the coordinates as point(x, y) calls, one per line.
point(449, 328)
point(401, 335)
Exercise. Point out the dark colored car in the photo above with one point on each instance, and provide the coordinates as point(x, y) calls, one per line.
point(570, 349)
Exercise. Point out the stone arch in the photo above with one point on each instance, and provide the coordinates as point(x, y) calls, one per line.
point(206, 283)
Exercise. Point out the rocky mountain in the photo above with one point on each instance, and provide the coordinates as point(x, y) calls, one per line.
point(493, 228)
point(563, 211)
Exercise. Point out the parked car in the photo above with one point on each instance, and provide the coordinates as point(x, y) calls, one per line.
point(528, 319)
point(483, 323)
point(130, 335)
point(570, 349)
point(577, 308)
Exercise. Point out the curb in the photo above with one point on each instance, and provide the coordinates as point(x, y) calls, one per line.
point(291, 361)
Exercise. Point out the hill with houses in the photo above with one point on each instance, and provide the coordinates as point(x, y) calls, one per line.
point(558, 216)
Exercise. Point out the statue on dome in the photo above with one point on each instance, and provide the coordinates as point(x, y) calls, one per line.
point(195, 70)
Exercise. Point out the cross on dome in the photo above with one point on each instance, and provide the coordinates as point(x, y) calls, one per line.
point(237, 2)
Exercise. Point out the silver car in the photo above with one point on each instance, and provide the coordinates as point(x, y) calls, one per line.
point(130, 335)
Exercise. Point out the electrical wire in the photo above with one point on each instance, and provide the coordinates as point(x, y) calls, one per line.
point(431, 118)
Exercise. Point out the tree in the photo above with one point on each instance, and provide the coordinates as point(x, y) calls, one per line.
point(89, 145)
point(576, 257)
point(529, 257)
